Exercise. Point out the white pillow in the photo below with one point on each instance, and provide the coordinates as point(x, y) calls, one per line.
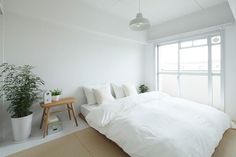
point(91, 99)
point(130, 90)
point(103, 94)
point(118, 90)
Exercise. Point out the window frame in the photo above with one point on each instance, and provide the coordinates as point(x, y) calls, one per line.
point(209, 73)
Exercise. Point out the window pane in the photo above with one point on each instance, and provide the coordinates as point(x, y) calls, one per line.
point(194, 59)
point(217, 93)
point(216, 40)
point(186, 44)
point(194, 88)
point(168, 58)
point(200, 42)
point(168, 84)
point(216, 58)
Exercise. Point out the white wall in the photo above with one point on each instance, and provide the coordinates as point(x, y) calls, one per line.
point(69, 57)
point(75, 13)
point(1, 59)
point(232, 4)
point(217, 15)
point(230, 71)
point(150, 70)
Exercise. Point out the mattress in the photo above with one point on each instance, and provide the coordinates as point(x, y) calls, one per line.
point(85, 109)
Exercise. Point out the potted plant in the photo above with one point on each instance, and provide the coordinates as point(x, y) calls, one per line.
point(21, 88)
point(56, 94)
point(143, 88)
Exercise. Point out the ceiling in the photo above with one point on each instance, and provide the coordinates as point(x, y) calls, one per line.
point(158, 11)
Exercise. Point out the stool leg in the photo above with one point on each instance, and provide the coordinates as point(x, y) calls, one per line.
point(46, 123)
point(69, 109)
point(42, 119)
point(73, 112)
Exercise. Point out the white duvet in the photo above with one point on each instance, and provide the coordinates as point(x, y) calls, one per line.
point(157, 125)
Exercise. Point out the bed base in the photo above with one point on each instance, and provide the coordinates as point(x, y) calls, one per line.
point(82, 117)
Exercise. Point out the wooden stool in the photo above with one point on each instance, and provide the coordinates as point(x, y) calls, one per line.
point(68, 102)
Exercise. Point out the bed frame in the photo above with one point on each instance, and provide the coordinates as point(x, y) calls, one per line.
point(82, 117)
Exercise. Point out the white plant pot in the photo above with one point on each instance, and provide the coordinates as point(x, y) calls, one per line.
point(56, 98)
point(21, 127)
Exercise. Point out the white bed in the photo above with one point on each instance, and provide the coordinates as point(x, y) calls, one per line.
point(155, 124)
point(86, 108)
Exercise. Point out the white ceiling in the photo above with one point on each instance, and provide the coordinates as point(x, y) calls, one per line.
point(158, 11)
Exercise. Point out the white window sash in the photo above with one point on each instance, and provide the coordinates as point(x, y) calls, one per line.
point(209, 73)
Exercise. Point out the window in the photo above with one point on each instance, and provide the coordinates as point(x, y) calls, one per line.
point(192, 69)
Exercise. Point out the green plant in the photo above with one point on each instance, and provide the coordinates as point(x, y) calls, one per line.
point(20, 87)
point(143, 88)
point(56, 92)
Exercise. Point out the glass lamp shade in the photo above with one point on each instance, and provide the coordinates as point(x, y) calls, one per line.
point(139, 23)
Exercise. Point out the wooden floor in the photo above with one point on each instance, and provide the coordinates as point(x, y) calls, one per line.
point(90, 143)
point(227, 146)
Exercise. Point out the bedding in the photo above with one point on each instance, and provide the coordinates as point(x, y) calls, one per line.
point(91, 99)
point(97, 93)
point(103, 94)
point(86, 108)
point(129, 90)
point(155, 124)
point(118, 90)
